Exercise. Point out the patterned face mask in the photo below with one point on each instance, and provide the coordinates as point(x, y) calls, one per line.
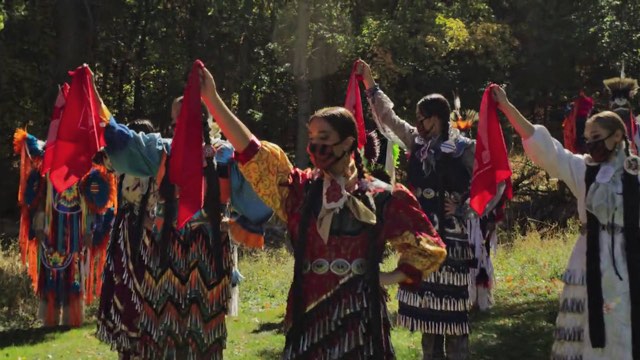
point(323, 156)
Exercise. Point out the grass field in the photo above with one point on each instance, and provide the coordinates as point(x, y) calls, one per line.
point(518, 327)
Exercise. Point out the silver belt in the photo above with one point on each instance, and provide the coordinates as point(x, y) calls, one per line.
point(339, 267)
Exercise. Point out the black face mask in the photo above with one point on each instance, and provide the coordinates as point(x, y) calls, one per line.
point(322, 155)
point(598, 149)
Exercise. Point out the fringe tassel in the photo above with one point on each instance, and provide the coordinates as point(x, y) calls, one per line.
point(73, 312)
point(430, 301)
point(448, 276)
point(574, 334)
point(51, 317)
point(573, 305)
point(33, 264)
point(336, 327)
point(432, 327)
point(574, 277)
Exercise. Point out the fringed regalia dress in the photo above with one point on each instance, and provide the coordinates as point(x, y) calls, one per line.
point(336, 308)
point(63, 235)
point(437, 171)
point(599, 311)
point(121, 299)
point(185, 278)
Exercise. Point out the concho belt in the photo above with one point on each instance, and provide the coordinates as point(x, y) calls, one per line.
point(339, 267)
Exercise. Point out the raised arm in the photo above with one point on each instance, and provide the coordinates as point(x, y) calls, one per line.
point(388, 122)
point(264, 165)
point(543, 149)
point(136, 154)
point(522, 126)
point(236, 132)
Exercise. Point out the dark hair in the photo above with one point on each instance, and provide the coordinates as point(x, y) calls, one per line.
point(342, 121)
point(436, 104)
point(142, 125)
point(212, 203)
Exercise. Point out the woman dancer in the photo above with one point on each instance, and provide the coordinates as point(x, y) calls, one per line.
point(339, 220)
point(599, 308)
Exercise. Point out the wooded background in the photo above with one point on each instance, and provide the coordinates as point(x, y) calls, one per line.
point(276, 61)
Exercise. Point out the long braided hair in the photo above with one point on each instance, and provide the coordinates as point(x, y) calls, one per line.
point(343, 122)
point(212, 197)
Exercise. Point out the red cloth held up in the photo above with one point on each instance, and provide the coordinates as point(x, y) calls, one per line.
point(58, 107)
point(491, 165)
point(79, 134)
point(353, 103)
point(185, 162)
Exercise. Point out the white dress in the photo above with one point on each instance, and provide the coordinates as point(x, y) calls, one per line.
point(571, 337)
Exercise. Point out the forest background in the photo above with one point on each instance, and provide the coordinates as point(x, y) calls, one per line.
point(276, 61)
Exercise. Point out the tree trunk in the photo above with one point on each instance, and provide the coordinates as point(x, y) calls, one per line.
point(74, 29)
point(302, 82)
point(143, 11)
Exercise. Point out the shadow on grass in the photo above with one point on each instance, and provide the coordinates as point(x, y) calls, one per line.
point(19, 337)
point(514, 331)
point(276, 327)
point(270, 354)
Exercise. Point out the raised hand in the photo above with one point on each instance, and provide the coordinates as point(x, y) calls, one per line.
point(500, 96)
point(207, 83)
point(362, 68)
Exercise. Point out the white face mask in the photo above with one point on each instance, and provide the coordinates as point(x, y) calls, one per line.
point(620, 101)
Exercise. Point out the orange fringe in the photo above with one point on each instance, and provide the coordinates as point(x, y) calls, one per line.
point(28, 246)
point(88, 283)
point(33, 263)
point(23, 235)
point(244, 237)
point(74, 310)
point(97, 261)
point(19, 137)
point(102, 260)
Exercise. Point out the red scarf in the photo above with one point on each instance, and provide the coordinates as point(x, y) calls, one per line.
point(185, 162)
point(353, 103)
point(491, 165)
point(58, 107)
point(79, 134)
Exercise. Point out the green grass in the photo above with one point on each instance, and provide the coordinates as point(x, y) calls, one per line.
point(518, 327)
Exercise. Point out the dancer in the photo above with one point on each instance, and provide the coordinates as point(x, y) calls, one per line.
point(121, 298)
point(573, 124)
point(187, 262)
point(63, 235)
point(339, 219)
point(599, 315)
point(439, 174)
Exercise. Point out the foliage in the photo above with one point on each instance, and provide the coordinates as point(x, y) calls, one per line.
point(142, 50)
point(18, 304)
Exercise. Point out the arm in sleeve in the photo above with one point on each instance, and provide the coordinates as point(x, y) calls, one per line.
point(549, 154)
point(390, 124)
point(267, 169)
point(411, 234)
point(135, 154)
